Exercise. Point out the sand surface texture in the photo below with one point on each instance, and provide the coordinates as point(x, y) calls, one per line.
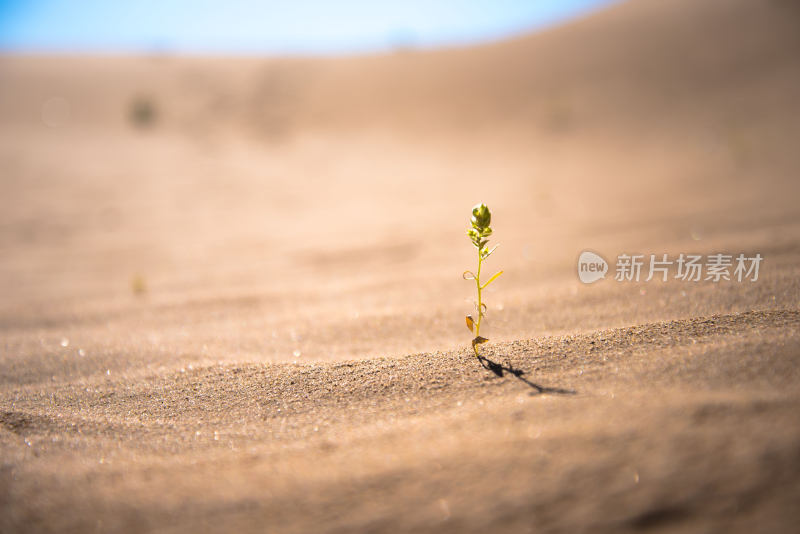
point(232, 296)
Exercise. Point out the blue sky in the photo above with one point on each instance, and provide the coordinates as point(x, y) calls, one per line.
point(247, 26)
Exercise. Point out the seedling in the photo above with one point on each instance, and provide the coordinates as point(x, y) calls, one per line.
point(479, 234)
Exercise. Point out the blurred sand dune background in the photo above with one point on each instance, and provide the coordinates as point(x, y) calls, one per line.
point(162, 212)
point(304, 191)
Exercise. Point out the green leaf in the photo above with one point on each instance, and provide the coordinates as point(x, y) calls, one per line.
point(489, 252)
point(481, 215)
point(492, 279)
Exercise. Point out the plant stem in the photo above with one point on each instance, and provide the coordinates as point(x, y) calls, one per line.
point(480, 305)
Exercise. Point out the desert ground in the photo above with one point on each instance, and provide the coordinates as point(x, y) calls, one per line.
point(232, 294)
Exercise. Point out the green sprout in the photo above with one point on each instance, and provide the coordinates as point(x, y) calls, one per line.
point(479, 234)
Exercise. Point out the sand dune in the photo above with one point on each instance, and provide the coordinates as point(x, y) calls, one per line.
point(553, 437)
point(231, 291)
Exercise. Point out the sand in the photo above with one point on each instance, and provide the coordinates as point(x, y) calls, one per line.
point(232, 295)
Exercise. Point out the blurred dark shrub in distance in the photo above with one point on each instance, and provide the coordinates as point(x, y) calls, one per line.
point(143, 112)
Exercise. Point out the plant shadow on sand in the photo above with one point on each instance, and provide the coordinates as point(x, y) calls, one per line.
point(500, 370)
